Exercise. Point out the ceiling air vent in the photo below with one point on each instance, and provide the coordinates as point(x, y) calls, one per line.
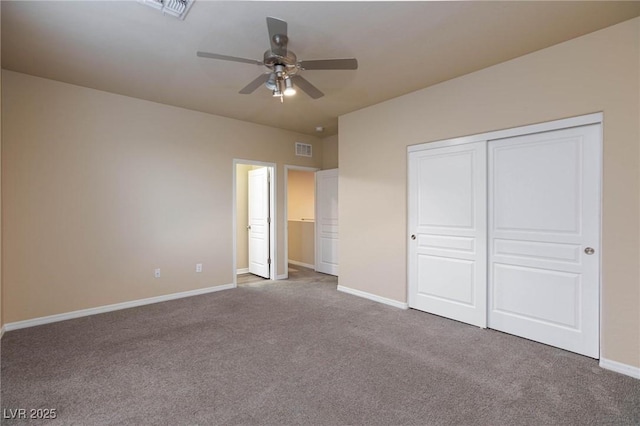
point(304, 150)
point(177, 8)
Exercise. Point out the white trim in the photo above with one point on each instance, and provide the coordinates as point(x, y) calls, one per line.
point(273, 252)
point(2, 330)
point(599, 242)
point(305, 265)
point(285, 194)
point(583, 120)
point(242, 271)
point(115, 307)
point(282, 277)
point(618, 367)
point(374, 297)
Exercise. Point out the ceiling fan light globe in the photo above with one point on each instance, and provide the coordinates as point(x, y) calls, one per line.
point(289, 90)
point(271, 83)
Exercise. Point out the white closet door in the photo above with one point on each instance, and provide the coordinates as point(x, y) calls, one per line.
point(327, 221)
point(544, 227)
point(447, 223)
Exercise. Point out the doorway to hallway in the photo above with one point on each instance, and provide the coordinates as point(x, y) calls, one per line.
point(300, 207)
point(254, 205)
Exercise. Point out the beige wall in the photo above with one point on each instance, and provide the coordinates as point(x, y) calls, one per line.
point(330, 152)
point(596, 72)
point(300, 195)
point(99, 189)
point(301, 215)
point(301, 243)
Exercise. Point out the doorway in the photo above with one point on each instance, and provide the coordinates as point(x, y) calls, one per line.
point(300, 205)
point(254, 219)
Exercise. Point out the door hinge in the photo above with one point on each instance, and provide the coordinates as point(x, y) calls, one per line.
point(269, 220)
point(269, 261)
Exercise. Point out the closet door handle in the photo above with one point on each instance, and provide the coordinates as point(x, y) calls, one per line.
point(589, 251)
point(413, 236)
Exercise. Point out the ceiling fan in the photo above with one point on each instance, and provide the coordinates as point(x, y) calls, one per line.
point(283, 65)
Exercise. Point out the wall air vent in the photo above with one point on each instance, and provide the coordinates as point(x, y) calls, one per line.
point(304, 150)
point(176, 8)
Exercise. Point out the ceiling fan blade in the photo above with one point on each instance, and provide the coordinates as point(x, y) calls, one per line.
point(278, 35)
point(330, 64)
point(307, 87)
point(251, 87)
point(228, 58)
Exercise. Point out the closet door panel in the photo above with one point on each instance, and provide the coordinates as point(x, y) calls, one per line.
point(544, 227)
point(447, 223)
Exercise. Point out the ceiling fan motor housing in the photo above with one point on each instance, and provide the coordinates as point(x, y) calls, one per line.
point(289, 61)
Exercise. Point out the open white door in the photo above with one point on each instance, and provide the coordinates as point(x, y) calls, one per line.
point(327, 221)
point(544, 228)
point(447, 223)
point(259, 222)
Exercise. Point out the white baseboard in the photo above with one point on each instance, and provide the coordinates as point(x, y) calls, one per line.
point(374, 297)
point(618, 367)
point(304, 265)
point(282, 277)
point(115, 307)
point(2, 331)
point(242, 271)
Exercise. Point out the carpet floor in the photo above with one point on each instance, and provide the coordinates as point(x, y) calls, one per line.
point(299, 352)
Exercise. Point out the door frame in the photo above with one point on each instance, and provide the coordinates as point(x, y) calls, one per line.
point(272, 212)
point(582, 120)
point(288, 167)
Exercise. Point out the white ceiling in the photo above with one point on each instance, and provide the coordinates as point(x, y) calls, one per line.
point(127, 48)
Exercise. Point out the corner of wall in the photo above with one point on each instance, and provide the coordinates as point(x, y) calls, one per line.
point(330, 152)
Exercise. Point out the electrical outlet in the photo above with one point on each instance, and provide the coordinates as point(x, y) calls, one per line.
point(156, 273)
point(198, 267)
